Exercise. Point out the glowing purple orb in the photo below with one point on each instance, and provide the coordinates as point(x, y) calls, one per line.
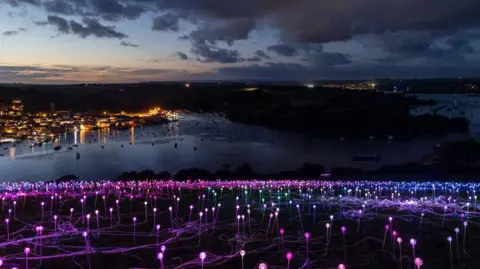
point(202, 256)
point(160, 256)
point(242, 252)
point(262, 266)
point(343, 229)
point(418, 262)
point(307, 235)
point(413, 242)
point(341, 266)
point(26, 250)
point(289, 256)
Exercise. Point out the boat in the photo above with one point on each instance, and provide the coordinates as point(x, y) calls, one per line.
point(57, 148)
point(366, 158)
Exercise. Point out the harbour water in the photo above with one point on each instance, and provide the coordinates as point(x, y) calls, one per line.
point(208, 141)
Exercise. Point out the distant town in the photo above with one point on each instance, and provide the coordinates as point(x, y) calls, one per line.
point(16, 124)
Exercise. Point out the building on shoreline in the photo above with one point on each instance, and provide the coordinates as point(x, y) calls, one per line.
point(40, 126)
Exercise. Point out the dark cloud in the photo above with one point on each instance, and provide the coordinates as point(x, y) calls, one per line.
point(60, 7)
point(16, 3)
point(10, 33)
point(40, 23)
point(14, 32)
point(303, 73)
point(167, 21)
point(90, 27)
point(283, 50)
point(432, 46)
point(26, 73)
point(93, 27)
point(328, 58)
point(208, 53)
point(60, 23)
point(262, 54)
point(228, 31)
point(303, 21)
point(255, 59)
point(58, 73)
point(181, 55)
point(128, 44)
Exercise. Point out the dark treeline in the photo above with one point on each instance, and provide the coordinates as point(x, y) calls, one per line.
point(318, 111)
point(243, 171)
point(337, 113)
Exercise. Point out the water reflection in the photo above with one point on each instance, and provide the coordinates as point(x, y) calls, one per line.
point(203, 141)
point(132, 135)
point(11, 152)
point(82, 136)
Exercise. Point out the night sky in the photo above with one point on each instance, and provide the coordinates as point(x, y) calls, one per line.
point(69, 41)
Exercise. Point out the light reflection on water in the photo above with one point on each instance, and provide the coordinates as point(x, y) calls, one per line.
point(217, 142)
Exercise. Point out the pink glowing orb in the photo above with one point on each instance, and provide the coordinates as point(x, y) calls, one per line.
point(160, 256)
point(84, 234)
point(456, 230)
point(394, 233)
point(158, 227)
point(202, 256)
point(262, 266)
point(282, 231)
point(341, 266)
point(449, 239)
point(307, 235)
point(387, 227)
point(390, 219)
point(163, 248)
point(327, 225)
point(413, 242)
point(26, 250)
point(399, 240)
point(1, 262)
point(344, 229)
point(418, 262)
point(134, 219)
point(242, 252)
point(289, 256)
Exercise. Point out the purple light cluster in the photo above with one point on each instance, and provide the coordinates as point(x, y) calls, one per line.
point(70, 218)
